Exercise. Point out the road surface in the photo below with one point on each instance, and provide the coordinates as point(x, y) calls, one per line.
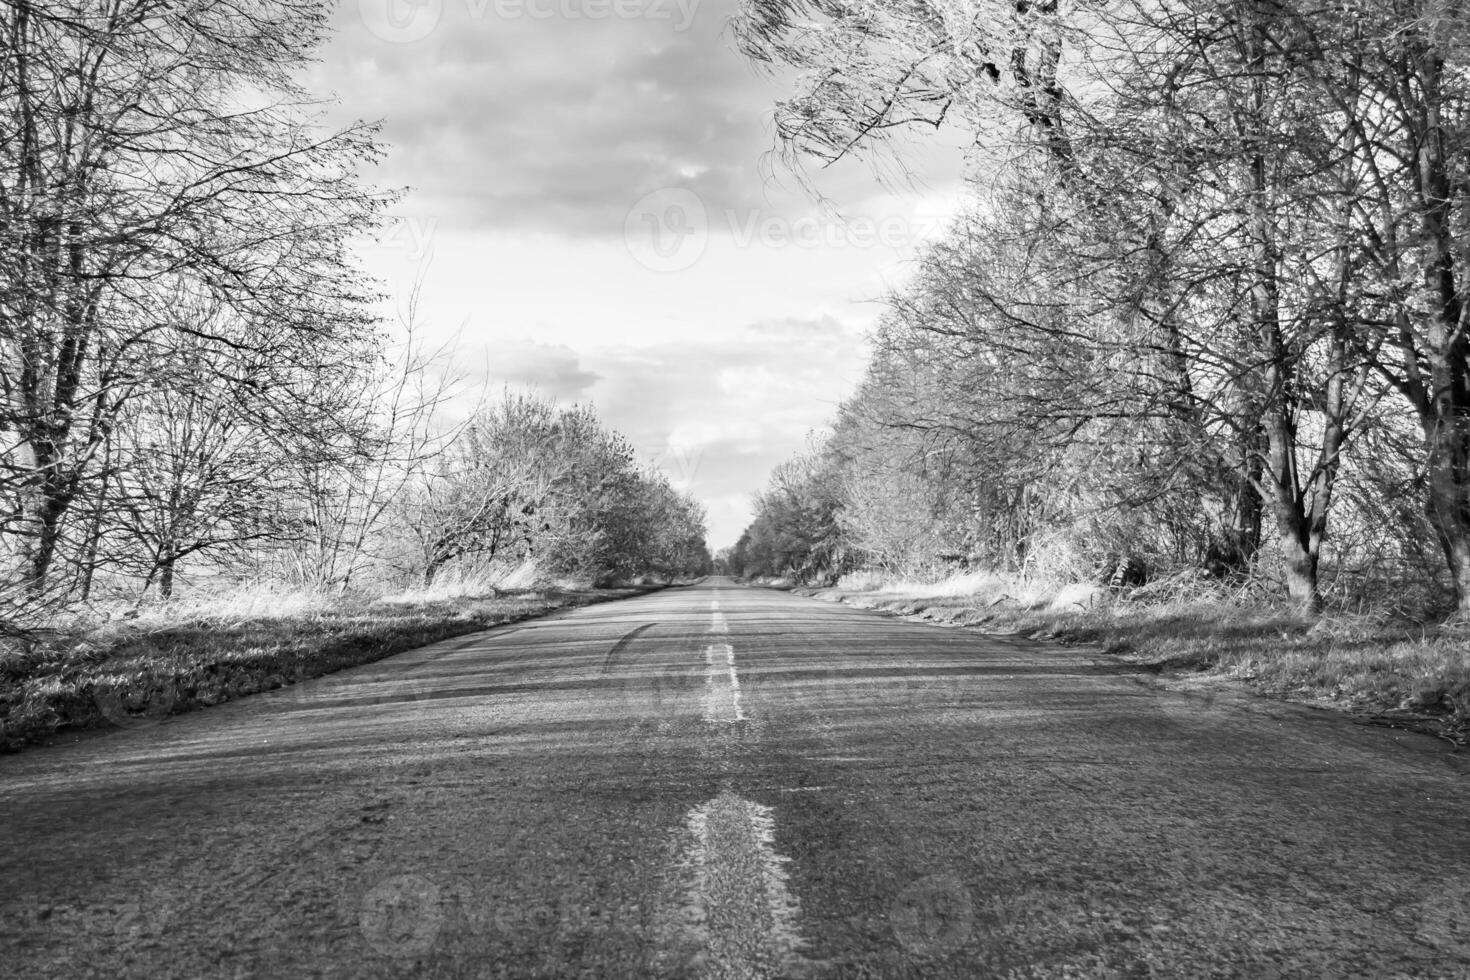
point(723, 782)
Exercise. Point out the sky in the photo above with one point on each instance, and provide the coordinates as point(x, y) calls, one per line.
point(593, 212)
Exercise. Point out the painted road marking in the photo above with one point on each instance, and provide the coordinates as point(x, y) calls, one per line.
point(733, 915)
point(721, 682)
point(721, 685)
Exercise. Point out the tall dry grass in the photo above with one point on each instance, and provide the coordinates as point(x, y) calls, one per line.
point(1377, 663)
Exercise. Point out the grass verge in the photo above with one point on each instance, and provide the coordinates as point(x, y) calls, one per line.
point(1384, 670)
point(175, 658)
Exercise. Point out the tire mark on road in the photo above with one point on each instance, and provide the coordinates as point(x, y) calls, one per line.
point(622, 644)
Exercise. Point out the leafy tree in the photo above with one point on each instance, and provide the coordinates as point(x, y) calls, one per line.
point(529, 481)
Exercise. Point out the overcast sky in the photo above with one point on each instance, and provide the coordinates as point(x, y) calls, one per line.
point(591, 216)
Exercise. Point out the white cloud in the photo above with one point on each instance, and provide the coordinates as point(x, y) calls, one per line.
point(528, 142)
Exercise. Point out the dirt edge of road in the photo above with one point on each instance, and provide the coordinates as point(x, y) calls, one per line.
point(80, 687)
point(1210, 686)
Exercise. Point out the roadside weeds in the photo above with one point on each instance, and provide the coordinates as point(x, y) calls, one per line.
point(121, 673)
point(1379, 670)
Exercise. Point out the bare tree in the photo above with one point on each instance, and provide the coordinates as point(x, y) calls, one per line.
point(1219, 314)
point(153, 155)
point(394, 428)
point(1398, 87)
point(193, 478)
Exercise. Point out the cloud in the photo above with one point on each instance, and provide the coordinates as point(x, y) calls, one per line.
point(714, 413)
point(801, 331)
point(554, 370)
point(721, 411)
point(528, 140)
point(558, 125)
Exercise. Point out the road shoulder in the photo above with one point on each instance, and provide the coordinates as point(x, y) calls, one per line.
point(1209, 685)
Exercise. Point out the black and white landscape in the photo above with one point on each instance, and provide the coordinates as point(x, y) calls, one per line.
point(734, 489)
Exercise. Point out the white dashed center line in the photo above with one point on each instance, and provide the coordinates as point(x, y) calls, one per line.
point(721, 685)
point(728, 914)
point(734, 918)
point(721, 682)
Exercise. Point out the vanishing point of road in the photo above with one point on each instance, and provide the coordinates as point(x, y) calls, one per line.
point(726, 782)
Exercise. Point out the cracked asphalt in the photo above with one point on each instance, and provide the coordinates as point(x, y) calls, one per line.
point(927, 802)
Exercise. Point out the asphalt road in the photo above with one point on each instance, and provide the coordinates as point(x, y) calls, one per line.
point(722, 782)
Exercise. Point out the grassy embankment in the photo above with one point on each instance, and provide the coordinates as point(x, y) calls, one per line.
point(98, 670)
point(1194, 635)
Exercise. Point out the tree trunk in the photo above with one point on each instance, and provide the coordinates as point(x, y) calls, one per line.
point(42, 516)
point(47, 524)
point(1459, 558)
point(1457, 552)
point(1444, 408)
point(94, 530)
point(1448, 507)
point(432, 567)
point(1300, 547)
point(1247, 512)
point(166, 578)
point(1279, 381)
point(1301, 574)
point(1235, 543)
